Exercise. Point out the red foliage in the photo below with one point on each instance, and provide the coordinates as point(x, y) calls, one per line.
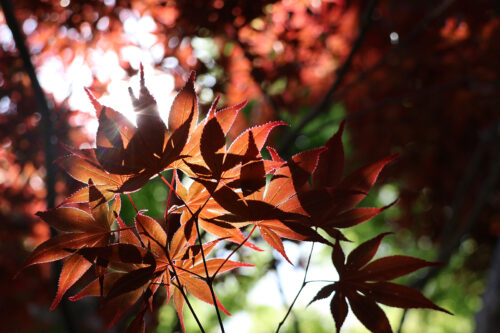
point(229, 192)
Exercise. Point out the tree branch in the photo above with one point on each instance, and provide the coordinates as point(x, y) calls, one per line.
point(326, 101)
point(332, 97)
point(48, 131)
point(40, 97)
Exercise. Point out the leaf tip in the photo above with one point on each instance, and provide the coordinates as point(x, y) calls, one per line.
point(56, 301)
point(192, 77)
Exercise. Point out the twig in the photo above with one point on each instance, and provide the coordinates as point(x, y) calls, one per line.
point(181, 289)
point(236, 249)
point(304, 283)
point(171, 265)
point(325, 102)
point(208, 278)
point(168, 255)
point(322, 281)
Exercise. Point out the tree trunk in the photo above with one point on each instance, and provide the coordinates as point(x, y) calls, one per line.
point(488, 318)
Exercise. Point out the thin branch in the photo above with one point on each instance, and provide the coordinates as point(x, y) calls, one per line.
point(43, 105)
point(201, 277)
point(234, 251)
point(171, 265)
point(304, 283)
point(208, 279)
point(181, 289)
point(326, 101)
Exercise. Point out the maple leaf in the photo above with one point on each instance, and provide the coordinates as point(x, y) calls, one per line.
point(234, 186)
point(364, 284)
point(220, 171)
point(79, 230)
point(196, 197)
point(152, 148)
point(147, 260)
point(183, 260)
point(330, 201)
point(281, 193)
point(126, 157)
point(116, 307)
point(82, 165)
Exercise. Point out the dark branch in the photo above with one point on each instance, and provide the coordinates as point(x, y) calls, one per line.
point(332, 95)
point(327, 99)
point(48, 131)
point(40, 97)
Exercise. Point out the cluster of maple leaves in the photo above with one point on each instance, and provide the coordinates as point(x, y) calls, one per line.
point(233, 188)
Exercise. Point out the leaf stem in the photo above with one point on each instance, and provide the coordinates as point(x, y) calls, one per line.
point(304, 283)
point(169, 195)
point(208, 278)
point(181, 289)
point(312, 281)
point(234, 251)
point(132, 201)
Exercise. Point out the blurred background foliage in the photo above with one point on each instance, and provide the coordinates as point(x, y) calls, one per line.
point(420, 78)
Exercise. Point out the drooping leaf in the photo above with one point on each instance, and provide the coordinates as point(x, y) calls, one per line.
point(213, 265)
point(339, 310)
point(60, 247)
point(212, 141)
point(369, 313)
point(362, 179)
point(365, 284)
point(354, 217)
point(274, 240)
point(73, 269)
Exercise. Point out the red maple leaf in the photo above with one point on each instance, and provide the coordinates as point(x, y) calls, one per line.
point(364, 284)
